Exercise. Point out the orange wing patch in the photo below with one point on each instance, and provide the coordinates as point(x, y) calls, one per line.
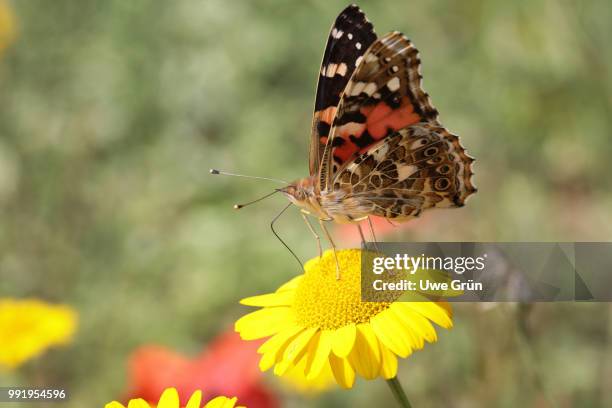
point(381, 117)
point(380, 121)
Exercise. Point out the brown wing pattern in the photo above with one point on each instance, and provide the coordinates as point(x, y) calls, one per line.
point(417, 168)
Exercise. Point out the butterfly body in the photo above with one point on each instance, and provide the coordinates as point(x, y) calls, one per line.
point(335, 205)
point(377, 146)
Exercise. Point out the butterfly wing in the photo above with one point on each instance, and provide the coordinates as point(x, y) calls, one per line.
point(418, 167)
point(349, 38)
point(383, 96)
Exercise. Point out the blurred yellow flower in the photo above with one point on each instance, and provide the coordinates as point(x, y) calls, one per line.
point(319, 321)
point(170, 399)
point(7, 25)
point(29, 326)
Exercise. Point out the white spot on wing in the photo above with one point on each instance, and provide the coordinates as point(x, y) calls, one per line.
point(393, 84)
point(351, 128)
point(380, 153)
point(336, 33)
point(357, 88)
point(332, 70)
point(358, 45)
point(350, 36)
point(370, 88)
point(403, 172)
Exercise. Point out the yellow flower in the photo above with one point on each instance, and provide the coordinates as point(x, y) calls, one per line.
point(28, 327)
point(7, 25)
point(318, 321)
point(170, 399)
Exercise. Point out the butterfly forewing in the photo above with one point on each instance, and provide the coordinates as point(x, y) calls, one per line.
point(350, 36)
point(387, 154)
point(383, 96)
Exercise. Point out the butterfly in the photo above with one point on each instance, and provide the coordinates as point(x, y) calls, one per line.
point(377, 147)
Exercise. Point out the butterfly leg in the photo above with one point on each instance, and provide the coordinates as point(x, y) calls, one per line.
point(373, 234)
point(329, 238)
point(363, 240)
point(309, 225)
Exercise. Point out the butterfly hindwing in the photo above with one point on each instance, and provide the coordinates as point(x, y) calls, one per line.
point(349, 38)
point(419, 167)
point(383, 96)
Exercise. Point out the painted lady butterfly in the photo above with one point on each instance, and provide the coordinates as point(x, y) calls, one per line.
point(377, 147)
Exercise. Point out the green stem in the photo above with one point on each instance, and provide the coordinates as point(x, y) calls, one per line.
point(398, 392)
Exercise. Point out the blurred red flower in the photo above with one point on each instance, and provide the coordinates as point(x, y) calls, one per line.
point(227, 366)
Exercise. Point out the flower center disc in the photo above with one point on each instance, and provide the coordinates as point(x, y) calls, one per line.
point(324, 302)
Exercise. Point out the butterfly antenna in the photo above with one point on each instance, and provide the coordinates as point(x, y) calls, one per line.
point(239, 206)
point(280, 239)
point(225, 173)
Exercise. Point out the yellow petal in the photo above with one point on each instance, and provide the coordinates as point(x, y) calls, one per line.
point(274, 342)
point(195, 400)
point(291, 285)
point(318, 354)
point(365, 357)
point(274, 348)
point(281, 368)
point(264, 322)
point(391, 333)
point(342, 370)
point(169, 399)
point(298, 345)
point(344, 340)
point(438, 312)
point(271, 299)
point(414, 337)
point(140, 403)
point(388, 367)
point(114, 404)
point(419, 324)
point(221, 402)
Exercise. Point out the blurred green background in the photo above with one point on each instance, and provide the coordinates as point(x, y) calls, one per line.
point(112, 112)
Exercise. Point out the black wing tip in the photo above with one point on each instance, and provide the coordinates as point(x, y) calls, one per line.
point(352, 6)
point(352, 10)
point(354, 16)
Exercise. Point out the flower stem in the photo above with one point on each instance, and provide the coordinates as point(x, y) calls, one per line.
point(398, 392)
